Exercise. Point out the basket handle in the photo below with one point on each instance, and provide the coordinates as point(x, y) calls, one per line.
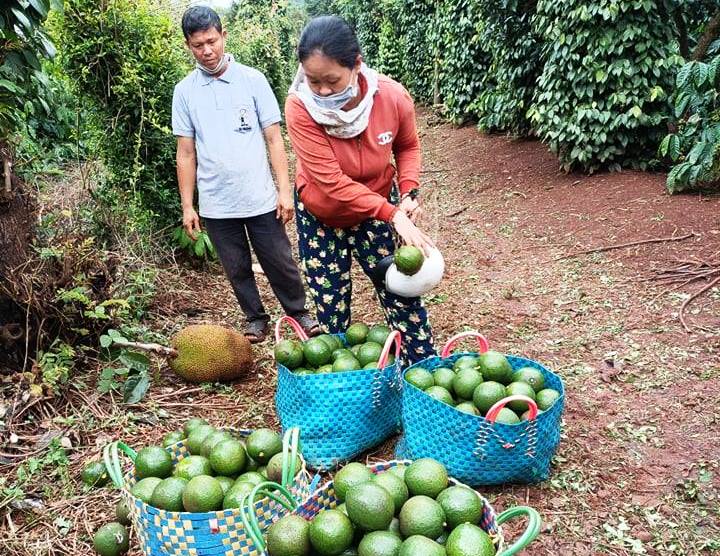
point(481, 340)
point(395, 337)
point(531, 532)
point(249, 516)
point(111, 458)
point(295, 325)
point(291, 440)
point(495, 409)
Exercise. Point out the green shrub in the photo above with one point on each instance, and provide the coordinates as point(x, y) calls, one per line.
point(264, 35)
point(515, 62)
point(125, 57)
point(695, 146)
point(391, 42)
point(465, 60)
point(25, 90)
point(599, 102)
point(417, 26)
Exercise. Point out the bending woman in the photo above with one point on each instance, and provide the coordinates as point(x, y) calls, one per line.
point(346, 124)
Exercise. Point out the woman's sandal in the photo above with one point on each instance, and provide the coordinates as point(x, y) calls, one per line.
point(309, 324)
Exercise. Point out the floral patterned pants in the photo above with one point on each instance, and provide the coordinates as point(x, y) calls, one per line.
point(326, 255)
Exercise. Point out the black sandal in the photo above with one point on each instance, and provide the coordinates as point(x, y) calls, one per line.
point(309, 324)
point(256, 331)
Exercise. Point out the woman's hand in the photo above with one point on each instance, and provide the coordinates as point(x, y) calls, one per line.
point(411, 207)
point(411, 234)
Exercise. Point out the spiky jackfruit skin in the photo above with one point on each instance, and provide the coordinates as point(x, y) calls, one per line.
point(210, 353)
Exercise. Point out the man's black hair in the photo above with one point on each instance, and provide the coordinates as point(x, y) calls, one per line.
point(200, 18)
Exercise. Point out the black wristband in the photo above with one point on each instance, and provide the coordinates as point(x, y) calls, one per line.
point(413, 194)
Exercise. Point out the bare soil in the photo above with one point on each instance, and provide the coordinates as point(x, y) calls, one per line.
point(637, 468)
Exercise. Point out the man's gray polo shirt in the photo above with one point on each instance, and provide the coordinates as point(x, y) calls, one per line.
point(226, 117)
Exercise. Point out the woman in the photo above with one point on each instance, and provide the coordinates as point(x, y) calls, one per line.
point(346, 122)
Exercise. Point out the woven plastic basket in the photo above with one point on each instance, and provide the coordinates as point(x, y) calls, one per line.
point(340, 414)
point(163, 533)
point(324, 499)
point(475, 449)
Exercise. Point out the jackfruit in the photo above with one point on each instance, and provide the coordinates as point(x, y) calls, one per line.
point(210, 353)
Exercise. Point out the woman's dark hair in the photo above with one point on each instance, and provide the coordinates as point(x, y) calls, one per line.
point(200, 18)
point(331, 36)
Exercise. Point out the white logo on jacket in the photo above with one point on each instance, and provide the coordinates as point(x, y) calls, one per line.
point(385, 138)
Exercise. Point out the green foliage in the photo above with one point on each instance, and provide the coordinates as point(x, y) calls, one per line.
point(125, 57)
point(55, 365)
point(24, 87)
point(695, 146)
point(365, 16)
point(47, 137)
point(419, 47)
point(52, 466)
point(130, 365)
point(514, 50)
point(390, 42)
point(263, 35)
point(201, 247)
point(315, 8)
point(599, 99)
point(465, 59)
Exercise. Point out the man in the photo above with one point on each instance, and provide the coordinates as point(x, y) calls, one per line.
point(226, 120)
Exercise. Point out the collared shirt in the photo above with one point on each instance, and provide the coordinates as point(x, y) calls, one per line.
point(343, 182)
point(226, 116)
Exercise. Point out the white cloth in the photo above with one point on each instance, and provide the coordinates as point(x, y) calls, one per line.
point(342, 124)
point(222, 64)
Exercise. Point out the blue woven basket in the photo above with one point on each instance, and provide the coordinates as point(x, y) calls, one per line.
point(340, 414)
point(476, 451)
point(164, 533)
point(324, 499)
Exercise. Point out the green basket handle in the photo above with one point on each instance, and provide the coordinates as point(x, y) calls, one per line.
point(531, 532)
point(111, 458)
point(291, 440)
point(247, 509)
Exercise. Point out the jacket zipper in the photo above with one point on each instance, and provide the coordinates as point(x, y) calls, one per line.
point(360, 161)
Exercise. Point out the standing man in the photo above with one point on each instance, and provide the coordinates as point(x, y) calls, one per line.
point(226, 120)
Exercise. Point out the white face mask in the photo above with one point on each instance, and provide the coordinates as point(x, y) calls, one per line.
point(224, 60)
point(337, 100)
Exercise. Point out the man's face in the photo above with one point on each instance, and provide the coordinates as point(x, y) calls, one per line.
point(207, 46)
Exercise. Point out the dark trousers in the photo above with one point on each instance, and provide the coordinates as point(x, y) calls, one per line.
point(327, 254)
point(267, 236)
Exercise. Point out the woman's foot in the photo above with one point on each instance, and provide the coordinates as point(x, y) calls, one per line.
point(309, 324)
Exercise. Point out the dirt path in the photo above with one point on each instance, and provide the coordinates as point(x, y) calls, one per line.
point(637, 470)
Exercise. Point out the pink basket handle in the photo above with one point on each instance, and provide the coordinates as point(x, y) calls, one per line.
point(295, 326)
point(481, 340)
point(495, 409)
point(395, 337)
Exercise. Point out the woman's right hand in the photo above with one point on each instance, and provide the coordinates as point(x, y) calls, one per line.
point(410, 233)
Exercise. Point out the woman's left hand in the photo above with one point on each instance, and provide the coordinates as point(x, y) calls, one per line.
point(411, 207)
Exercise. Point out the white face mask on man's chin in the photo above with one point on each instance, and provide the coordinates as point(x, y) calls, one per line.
point(224, 59)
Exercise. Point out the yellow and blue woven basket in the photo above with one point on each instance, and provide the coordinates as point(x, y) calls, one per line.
point(474, 449)
point(324, 499)
point(219, 533)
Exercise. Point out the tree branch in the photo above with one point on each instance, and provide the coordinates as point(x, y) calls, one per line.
point(712, 31)
point(623, 245)
point(7, 167)
point(153, 348)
